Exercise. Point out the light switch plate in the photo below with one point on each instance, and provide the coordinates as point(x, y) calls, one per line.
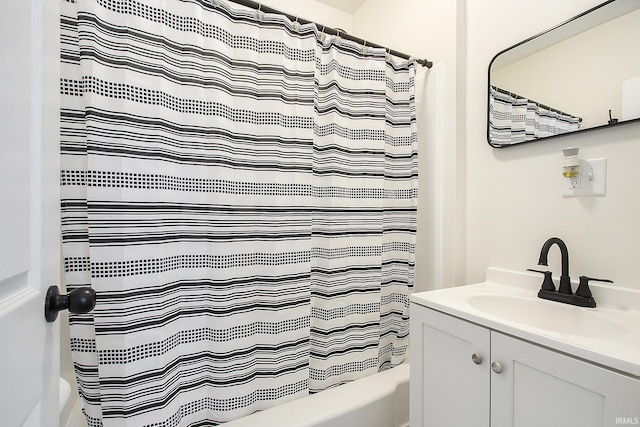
point(593, 179)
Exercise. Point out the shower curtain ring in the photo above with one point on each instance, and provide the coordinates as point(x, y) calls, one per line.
point(296, 24)
point(259, 13)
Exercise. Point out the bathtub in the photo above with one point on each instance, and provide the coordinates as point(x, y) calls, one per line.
point(380, 400)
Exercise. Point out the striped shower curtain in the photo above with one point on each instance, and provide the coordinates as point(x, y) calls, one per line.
point(241, 193)
point(515, 119)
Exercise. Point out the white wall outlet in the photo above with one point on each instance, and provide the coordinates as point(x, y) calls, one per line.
point(592, 180)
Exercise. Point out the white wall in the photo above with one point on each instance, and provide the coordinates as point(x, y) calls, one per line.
point(513, 197)
point(507, 202)
point(313, 11)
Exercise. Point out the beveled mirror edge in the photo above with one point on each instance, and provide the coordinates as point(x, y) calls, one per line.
point(536, 36)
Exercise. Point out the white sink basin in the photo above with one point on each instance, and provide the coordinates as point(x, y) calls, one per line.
point(507, 302)
point(548, 315)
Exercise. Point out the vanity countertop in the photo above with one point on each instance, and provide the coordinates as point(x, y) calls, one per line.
point(507, 302)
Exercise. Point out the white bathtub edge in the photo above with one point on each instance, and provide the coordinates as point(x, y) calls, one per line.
point(65, 393)
point(322, 407)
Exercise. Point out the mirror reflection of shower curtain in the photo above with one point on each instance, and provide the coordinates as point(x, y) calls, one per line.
point(514, 119)
point(242, 197)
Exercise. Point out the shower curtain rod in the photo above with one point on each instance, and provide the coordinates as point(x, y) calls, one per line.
point(259, 6)
point(515, 95)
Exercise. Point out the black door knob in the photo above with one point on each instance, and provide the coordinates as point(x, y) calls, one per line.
point(79, 300)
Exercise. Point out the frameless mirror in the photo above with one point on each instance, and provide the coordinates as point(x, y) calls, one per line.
point(583, 74)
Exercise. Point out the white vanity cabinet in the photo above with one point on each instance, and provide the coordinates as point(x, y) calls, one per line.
point(465, 374)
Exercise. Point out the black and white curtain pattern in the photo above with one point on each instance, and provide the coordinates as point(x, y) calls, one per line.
point(514, 119)
point(241, 193)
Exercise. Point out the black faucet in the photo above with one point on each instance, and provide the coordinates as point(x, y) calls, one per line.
point(564, 294)
point(565, 280)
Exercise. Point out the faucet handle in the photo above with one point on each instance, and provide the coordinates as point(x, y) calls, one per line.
point(583, 288)
point(547, 283)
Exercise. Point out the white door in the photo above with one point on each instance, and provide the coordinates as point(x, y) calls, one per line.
point(29, 206)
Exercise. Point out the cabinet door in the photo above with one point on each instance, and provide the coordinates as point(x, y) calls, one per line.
point(540, 387)
point(447, 387)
